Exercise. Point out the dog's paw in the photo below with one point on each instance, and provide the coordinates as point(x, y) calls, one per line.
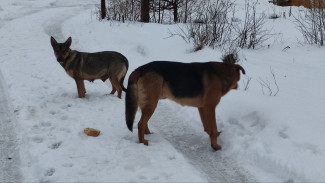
point(218, 133)
point(216, 147)
point(145, 142)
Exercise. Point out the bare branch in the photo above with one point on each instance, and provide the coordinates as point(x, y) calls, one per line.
point(276, 84)
point(246, 82)
point(265, 83)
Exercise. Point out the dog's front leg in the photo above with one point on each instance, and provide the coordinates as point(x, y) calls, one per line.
point(208, 118)
point(81, 88)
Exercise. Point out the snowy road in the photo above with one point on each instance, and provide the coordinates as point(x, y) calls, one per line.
point(215, 166)
point(194, 144)
point(10, 164)
point(264, 138)
point(9, 144)
point(9, 159)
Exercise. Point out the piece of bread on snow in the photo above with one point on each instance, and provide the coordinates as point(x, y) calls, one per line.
point(91, 132)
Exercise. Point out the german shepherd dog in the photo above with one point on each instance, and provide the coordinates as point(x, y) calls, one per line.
point(90, 66)
point(198, 85)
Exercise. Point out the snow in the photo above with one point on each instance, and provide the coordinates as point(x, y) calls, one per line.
point(264, 138)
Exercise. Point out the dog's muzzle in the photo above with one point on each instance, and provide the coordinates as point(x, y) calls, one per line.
point(60, 59)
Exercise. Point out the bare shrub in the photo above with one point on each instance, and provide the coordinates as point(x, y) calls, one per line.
point(209, 25)
point(158, 11)
point(251, 33)
point(172, 11)
point(123, 10)
point(311, 23)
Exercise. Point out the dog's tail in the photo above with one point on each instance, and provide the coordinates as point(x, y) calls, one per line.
point(121, 84)
point(131, 99)
point(126, 62)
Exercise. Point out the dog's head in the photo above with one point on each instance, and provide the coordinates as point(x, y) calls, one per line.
point(238, 68)
point(229, 73)
point(61, 50)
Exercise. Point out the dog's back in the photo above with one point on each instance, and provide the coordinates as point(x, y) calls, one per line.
point(184, 79)
point(94, 63)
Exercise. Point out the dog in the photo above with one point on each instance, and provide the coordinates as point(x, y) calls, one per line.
point(198, 85)
point(91, 66)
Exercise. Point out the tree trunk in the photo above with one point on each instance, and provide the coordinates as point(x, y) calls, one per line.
point(103, 9)
point(159, 9)
point(186, 11)
point(175, 7)
point(145, 10)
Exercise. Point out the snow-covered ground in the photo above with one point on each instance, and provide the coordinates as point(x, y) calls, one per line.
point(264, 138)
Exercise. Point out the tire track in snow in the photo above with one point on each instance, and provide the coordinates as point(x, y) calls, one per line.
point(195, 146)
point(10, 162)
point(10, 158)
point(53, 27)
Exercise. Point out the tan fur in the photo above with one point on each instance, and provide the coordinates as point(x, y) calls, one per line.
point(151, 87)
point(70, 73)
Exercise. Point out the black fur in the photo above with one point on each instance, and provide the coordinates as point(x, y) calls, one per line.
point(131, 100)
point(184, 79)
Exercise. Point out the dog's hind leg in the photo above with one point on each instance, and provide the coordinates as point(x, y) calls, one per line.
point(113, 87)
point(208, 118)
point(116, 85)
point(113, 90)
point(143, 123)
point(149, 90)
point(146, 130)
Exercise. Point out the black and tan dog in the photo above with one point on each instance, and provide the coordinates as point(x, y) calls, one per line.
point(199, 85)
point(90, 66)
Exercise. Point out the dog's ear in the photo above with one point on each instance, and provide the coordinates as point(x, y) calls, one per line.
point(68, 42)
point(240, 68)
point(53, 41)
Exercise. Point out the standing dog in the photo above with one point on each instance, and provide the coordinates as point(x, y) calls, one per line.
point(199, 85)
point(90, 66)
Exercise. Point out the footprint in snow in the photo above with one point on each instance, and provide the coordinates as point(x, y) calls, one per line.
point(55, 145)
point(49, 172)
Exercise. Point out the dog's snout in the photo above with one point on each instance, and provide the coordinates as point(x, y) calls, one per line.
point(60, 59)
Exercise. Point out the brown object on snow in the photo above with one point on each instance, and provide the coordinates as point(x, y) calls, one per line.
point(91, 132)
